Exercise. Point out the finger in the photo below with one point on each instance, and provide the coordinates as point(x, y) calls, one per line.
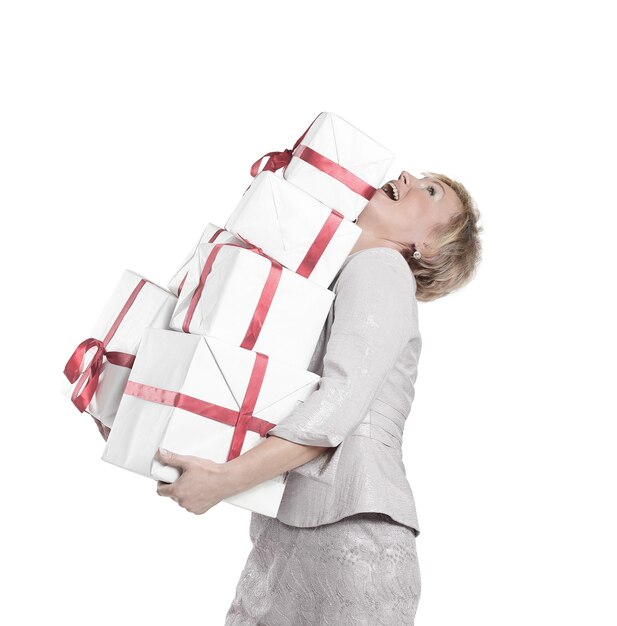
point(164, 489)
point(172, 458)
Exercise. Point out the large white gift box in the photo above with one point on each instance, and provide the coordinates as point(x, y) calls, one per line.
point(249, 300)
point(204, 397)
point(336, 163)
point(97, 371)
point(211, 234)
point(294, 228)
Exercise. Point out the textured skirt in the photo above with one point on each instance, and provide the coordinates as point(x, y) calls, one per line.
point(362, 569)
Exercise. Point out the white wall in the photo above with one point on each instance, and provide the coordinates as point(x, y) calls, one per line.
point(127, 126)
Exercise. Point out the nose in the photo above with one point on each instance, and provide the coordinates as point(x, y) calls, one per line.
point(406, 177)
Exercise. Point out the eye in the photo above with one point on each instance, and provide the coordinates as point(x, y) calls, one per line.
point(433, 188)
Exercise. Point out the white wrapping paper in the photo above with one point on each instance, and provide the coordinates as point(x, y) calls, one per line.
point(152, 307)
point(230, 297)
point(212, 231)
point(214, 371)
point(343, 143)
point(285, 221)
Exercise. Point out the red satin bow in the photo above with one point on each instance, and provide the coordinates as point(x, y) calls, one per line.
point(88, 378)
point(275, 162)
point(278, 159)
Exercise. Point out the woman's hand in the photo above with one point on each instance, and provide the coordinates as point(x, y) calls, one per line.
point(202, 484)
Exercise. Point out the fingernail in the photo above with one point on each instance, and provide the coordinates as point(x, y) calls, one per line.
point(163, 451)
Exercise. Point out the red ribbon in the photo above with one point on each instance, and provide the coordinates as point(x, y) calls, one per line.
point(88, 378)
point(213, 238)
point(263, 304)
point(242, 420)
point(321, 242)
point(277, 160)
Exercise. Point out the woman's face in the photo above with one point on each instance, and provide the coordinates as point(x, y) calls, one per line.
point(422, 203)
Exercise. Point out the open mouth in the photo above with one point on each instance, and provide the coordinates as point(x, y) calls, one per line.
point(391, 190)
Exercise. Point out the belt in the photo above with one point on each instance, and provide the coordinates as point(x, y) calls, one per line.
point(383, 423)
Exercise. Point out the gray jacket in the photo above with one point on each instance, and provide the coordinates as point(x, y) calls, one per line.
point(367, 357)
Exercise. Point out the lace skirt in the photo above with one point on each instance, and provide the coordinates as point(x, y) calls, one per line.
point(362, 569)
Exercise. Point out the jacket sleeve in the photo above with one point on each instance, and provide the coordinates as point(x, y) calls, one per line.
point(375, 316)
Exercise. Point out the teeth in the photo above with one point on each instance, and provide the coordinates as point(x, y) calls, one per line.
point(394, 189)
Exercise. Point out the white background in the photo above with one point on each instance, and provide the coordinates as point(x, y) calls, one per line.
point(127, 126)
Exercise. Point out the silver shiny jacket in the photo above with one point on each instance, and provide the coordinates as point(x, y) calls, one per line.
point(367, 357)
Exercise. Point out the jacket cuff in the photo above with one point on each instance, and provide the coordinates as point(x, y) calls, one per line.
point(323, 467)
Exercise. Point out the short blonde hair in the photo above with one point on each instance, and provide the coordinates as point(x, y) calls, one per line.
point(458, 249)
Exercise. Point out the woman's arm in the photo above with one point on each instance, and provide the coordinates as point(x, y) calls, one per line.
point(269, 458)
point(204, 483)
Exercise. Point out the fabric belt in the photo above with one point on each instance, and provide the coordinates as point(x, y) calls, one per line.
point(383, 423)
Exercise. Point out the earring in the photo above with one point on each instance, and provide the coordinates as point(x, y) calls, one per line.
point(417, 255)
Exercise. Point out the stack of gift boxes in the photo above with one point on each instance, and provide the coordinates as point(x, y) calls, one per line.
point(208, 366)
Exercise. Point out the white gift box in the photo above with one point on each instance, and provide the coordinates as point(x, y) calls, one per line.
point(201, 396)
point(294, 228)
point(211, 234)
point(347, 146)
point(242, 297)
point(134, 304)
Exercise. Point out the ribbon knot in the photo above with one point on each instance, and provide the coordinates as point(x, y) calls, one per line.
point(275, 162)
point(254, 248)
point(87, 378)
point(278, 159)
point(73, 368)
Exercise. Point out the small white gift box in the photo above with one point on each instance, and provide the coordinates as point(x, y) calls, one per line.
point(99, 367)
point(211, 234)
point(294, 228)
point(241, 296)
point(201, 396)
point(335, 162)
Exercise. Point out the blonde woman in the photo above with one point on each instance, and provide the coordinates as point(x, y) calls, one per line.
point(342, 549)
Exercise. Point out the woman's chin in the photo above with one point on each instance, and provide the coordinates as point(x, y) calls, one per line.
point(372, 213)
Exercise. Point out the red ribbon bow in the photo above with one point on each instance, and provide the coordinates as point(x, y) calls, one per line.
point(88, 378)
point(275, 162)
point(278, 159)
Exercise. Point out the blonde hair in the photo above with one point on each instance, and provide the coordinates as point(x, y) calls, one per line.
point(458, 249)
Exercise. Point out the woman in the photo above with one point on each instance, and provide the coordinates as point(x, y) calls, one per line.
point(342, 548)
